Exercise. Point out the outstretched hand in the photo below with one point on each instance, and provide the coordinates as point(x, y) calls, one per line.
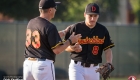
point(74, 38)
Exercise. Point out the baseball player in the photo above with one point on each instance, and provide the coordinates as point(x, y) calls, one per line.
point(95, 39)
point(43, 43)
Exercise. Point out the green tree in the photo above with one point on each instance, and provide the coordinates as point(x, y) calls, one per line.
point(73, 10)
point(136, 9)
point(19, 9)
point(68, 10)
point(109, 10)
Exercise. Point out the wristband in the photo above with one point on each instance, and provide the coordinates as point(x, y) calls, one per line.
point(70, 41)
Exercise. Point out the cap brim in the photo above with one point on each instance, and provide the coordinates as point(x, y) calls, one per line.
point(57, 2)
point(93, 13)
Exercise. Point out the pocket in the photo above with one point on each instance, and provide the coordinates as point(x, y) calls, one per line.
point(41, 63)
point(41, 67)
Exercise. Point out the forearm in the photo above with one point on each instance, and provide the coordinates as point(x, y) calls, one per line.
point(108, 55)
point(72, 39)
point(61, 48)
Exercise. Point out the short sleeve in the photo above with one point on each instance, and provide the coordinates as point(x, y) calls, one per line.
point(53, 37)
point(108, 42)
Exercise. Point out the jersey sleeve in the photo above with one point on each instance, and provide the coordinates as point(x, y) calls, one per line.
point(108, 42)
point(53, 37)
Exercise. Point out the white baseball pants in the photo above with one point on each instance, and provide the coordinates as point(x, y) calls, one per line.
point(38, 70)
point(78, 72)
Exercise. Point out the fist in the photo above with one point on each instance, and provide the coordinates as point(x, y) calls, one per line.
point(77, 47)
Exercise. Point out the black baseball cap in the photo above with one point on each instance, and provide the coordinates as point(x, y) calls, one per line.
point(92, 8)
point(45, 4)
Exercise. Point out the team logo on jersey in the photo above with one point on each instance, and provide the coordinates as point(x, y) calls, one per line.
point(132, 78)
point(93, 40)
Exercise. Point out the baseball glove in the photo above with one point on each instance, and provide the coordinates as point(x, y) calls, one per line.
point(105, 70)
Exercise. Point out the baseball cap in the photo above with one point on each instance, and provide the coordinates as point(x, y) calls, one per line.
point(45, 4)
point(92, 8)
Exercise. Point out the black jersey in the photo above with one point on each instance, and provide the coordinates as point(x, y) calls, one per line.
point(93, 42)
point(41, 37)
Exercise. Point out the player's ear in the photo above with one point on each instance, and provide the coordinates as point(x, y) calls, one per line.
point(49, 10)
point(84, 14)
point(98, 15)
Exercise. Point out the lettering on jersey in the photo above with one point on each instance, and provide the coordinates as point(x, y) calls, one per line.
point(93, 40)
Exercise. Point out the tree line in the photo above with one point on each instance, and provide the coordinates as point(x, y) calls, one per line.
point(68, 10)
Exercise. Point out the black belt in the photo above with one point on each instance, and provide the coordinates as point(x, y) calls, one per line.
point(35, 59)
point(85, 64)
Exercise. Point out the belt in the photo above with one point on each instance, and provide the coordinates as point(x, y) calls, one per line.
point(85, 64)
point(35, 59)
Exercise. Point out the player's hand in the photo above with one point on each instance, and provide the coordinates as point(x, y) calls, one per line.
point(74, 38)
point(67, 29)
point(62, 33)
point(77, 47)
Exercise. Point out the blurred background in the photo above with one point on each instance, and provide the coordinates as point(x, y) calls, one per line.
point(121, 17)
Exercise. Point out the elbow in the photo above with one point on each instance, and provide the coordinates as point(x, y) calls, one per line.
point(58, 52)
